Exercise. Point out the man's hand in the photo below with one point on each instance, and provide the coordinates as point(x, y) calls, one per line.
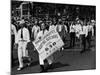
point(15, 45)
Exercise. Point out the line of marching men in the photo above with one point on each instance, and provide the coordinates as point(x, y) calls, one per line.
point(82, 31)
point(21, 38)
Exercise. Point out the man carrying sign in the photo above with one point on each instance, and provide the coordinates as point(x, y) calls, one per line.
point(42, 32)
point(46, 43)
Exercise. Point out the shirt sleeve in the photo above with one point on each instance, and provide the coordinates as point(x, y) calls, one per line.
point(86, 31)
point(33, 29)
point(70, 28)
point(28, 36)
point(15, 32)
point(92, 31)
point(65, 28)
point(17, 37)
point(38, 36)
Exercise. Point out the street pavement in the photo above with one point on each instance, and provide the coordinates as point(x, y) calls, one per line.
point(70, 59)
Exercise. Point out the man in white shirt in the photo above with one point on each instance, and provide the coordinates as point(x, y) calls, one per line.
point(93, 23)
point(42, 32)
point(62, 30)
point(52, 26)
point(59, 25)
point(72, 35)
point(22, 38)
point(59, 29)
point(83, 35)
point(90, 34)
point(13, 36)
point(77, 30)
point(35, 30)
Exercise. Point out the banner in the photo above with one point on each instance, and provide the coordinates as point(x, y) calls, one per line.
point(50, 43)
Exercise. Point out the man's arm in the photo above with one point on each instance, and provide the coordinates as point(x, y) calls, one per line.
point(86, 31)
point(66, 28)
point(28, 36)
point(15, 32)
point(16, 41)
point(92, 31)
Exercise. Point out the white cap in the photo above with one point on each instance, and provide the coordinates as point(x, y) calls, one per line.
point(92, 20)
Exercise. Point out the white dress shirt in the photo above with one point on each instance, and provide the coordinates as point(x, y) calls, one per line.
point(26, 35)
point(72, 28)
point(52, 27)
point(13, 30)
point(40, 34)
point(35, 30)
point(65, 28)
point(90, 28)
point(59, 28)
point(84, 30)
point(77, 28)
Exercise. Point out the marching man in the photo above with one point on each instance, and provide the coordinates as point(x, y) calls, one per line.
point(83, 34)
point(62, 30)
point(78, 29)
point(35, 30)
point(42, 32)
point(59, 28)
point(52, 26)
point(90, 33)
point(72, 35)
point(22, 40)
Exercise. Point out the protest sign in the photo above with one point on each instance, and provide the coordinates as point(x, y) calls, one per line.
point(50, 43)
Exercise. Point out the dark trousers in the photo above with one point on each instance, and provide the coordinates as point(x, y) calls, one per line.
point(12, 47)
point(83, 38)
point(89, 38)
point(72, 39)
point(94, 30)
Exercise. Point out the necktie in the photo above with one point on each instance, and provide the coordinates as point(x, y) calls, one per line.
point(43, 32)
point(22, 33)
point(82, 28)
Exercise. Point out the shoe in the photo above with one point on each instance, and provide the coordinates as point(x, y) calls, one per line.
point(19, 68)
point(50, 66)
point(62, 48)
point(82, 51)
point(42, 69)
point(28, 64)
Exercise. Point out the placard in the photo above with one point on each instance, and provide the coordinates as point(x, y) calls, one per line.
point(50, 43)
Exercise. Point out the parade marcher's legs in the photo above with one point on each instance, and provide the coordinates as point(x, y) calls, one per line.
point(41, 61)
point(89, 39)
point(83, 43)
point(20, 55)
point(72, 42)
point(12, 47)
point(22, 52)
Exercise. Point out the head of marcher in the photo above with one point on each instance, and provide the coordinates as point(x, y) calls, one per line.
point(78, 22)
point(93, 22)
point(59, 21)
point(43, 26)
point(36, 21)
point(22, 23)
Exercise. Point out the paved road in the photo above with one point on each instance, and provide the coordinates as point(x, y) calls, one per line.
point(66, 60)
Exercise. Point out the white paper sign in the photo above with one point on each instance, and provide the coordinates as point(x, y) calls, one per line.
point(49, 44)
